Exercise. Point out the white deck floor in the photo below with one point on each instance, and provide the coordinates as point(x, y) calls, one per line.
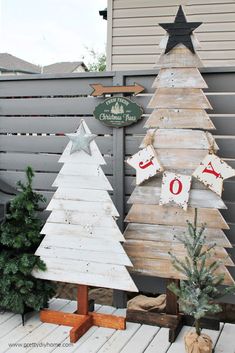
point(38, 337)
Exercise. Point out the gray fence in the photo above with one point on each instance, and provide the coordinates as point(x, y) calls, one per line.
point(36, 110)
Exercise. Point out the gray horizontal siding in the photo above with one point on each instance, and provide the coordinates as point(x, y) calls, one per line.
point(134, 34)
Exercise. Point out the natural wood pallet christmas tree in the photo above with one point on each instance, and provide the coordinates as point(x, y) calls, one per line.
point(82, 240)
point(159, 210)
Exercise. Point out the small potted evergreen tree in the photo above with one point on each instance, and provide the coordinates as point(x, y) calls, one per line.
point(20, 236)
point(198, 292)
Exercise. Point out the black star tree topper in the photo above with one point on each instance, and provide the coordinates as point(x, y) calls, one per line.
point(180, 31)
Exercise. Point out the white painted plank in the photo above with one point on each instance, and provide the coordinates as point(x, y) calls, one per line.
point(82, 272)
point(91, 232)
point(182, 138)
point(106, 208)
point(82, 194)
point(84, 182)
point(71, 348)
point(214, 334)
point(106, 257)
point(120, 338)
point(84, 219)
point(141, 339)
point(75, 242)
point(160, 343)
point(44, 329)
point(225, 342)
point(4, 316)
point(81, 169)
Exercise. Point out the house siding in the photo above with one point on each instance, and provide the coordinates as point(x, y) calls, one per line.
point(134, 33)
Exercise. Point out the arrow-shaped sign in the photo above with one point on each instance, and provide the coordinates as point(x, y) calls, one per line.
point(99, 89)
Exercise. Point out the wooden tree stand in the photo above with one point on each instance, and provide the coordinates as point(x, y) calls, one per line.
point(82, 319)
point(171, 319)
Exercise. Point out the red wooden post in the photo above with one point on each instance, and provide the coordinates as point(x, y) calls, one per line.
point(82, 300)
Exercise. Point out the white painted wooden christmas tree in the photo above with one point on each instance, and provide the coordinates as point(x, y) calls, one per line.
point(82, 240)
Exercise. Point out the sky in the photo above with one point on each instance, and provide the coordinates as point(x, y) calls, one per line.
point(47, 31)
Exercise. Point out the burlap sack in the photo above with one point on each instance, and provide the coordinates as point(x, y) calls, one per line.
point(143, 303)
point(197, 344)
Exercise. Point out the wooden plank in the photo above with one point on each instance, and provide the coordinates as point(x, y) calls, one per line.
point(197, 198)
point(119, 339)
point(75, 242)
point(179, 118)
point(160, 343)
point(85, 219)
point(223, 344)
point(155, 214)
point(93, 274)
point(156, 232)
point(179, 57)
point(182, 138)
point(106, 208)
point(122, 4)
point(82, 169)
point(164, 268)
point(42, 330)
point(179, 78)
point(141, 339)
point(112, 234)
point(79, 194)
point(183, 98)
point(49, 124)
point(173, 159)
point(66, 252)
point(160, 250)
point(84, 182)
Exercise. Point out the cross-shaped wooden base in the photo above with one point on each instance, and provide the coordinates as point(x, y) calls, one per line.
point(82, 320)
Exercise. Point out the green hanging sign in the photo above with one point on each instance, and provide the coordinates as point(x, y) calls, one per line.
point(118, 112)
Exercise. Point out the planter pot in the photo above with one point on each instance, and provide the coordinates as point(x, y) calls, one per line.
point(197, 344)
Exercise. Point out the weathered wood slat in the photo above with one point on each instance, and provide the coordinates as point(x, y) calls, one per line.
point(165, 233)
point(179, 78)
point(224, 342)
point(179, 57)
point(67, 253)
point(106, 208)
point(122, 4)
point(179, 118)
point(174, 158)
point(197, 198)
point(86, 273)
point(85, 219)
point(92, 232)
point(182, 98)
point(154, 214)
point(82, 169)
point(49, 124)
point(165, 269)
point(160, 250)
point(83, 181)
point(183, 139)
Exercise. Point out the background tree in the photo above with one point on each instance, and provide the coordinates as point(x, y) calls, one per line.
point(98, 60)
point(20, 235)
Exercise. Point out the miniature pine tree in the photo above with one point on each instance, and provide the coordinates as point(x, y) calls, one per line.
point(20, 235)
point(198, 292)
